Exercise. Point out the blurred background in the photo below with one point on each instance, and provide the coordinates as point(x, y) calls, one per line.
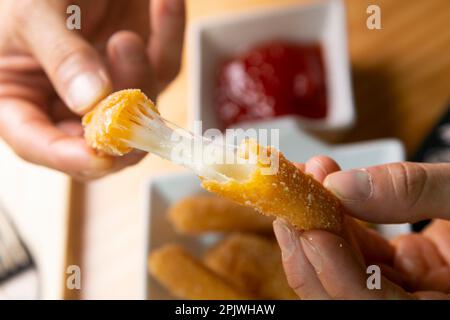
point(401, 89)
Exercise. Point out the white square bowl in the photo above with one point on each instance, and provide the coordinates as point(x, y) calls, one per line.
point(213, 40)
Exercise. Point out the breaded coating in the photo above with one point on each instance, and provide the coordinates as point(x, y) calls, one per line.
point(251, 263)
point(289, 193)
point(187, 278)
point(208, 213)
point(109, 126)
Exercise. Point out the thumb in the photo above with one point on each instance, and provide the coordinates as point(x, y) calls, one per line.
point(72, 64)
point(394, 193)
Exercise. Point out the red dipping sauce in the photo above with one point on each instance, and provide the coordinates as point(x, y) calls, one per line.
point(274, 79)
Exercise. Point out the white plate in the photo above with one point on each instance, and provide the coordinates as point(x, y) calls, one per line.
point(214, 39)
point(298, 146)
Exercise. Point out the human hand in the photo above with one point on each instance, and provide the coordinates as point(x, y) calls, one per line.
point(322, 265)
point(50, 75)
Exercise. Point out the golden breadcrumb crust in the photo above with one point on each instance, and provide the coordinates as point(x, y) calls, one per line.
point(102, 125)
point(289, 194)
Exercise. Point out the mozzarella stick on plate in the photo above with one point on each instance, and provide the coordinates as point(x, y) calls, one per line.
point(187, 278)
point(251, 263)
point(207, 213)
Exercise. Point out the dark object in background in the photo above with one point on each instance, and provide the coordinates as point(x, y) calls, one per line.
point(18, 273)
point(435, 148)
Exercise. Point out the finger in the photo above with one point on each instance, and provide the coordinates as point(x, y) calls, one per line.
point(339, 270)
point(75, 129)
point(416, 256)
point(392, 193)
point(129, 65)
point(71, 128)
point(300, 274)
point(374, 248)
point(408, 258)
point(431, 295)
point(437, 279)
point(34, 138)
point(72, 64)
point(30, 84)
point(300, 166)
point(320, 166)
point(130, 159)
point(439, 233)
point(393, 275)
point(57, 111)
point(167, 20)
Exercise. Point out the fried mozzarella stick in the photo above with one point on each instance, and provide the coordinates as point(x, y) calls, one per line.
point(287, 193)
point(259, 177)
point(251, 263)
point(205, 213)
point(187, 278)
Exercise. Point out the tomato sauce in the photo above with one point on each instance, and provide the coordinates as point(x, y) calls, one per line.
point(277, 78)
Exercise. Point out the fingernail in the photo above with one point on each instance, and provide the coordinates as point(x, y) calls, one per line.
point(86, 89)
point(311, 252)
point(286, 237)
point(354, 185)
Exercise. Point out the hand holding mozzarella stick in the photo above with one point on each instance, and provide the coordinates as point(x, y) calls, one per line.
point(50, 75)
point(127, 119)
point(321, 265)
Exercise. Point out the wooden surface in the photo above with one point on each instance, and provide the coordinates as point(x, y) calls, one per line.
point(402, 72)
point(36, 200)
point(401, 86)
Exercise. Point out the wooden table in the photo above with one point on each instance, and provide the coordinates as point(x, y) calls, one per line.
point(401, 77)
